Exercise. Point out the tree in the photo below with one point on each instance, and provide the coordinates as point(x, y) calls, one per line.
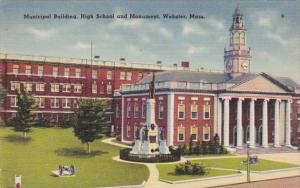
point(25, 118)
point(2, 97)
point(90, 122)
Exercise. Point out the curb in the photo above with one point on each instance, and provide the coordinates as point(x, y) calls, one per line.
point(202, 179)
point(127, 186)
point(276, 170)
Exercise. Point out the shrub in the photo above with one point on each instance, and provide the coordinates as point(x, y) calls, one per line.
point(43, 122)
point(185, 149)
point(189, 168)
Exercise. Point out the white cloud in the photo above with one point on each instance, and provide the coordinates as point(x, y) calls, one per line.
point(133, 50)
point(277, 38)
point(82, 46)
point(41, 33)
point(217, 24)
point(192, 50)
point(265, 18)
point(190, 29)
point(165, 32)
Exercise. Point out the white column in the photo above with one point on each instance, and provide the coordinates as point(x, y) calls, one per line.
point(239, 128)
point(122, 121)
point(252, 123)
point(265, 124)
point(276, 124)
point(219, 118)
point(170, 128)
point(288, 123)
point(226, 122)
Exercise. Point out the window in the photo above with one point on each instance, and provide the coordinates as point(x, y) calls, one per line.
point(140, 75)
point(39, 116)
point(75, 104)
point(54, 103)
point(13, 101)
point(28, 86)
point(298, 110)
point(272, 111)
point(206, 135)
point(122, 75)
point(40, 102)
point(77, 73)
point(28, 69)
point(77, 88)
point(66, 88)
point(128, 110)
point(15, 86)
point(194, 131)
point(16, 69)
point(181, 84)
point(40, 70)
point(298, 131)
point(181, 130)
point(206, 110)
point(129, 75)
point(67, 72)
point(160, 110)
point(109, 75)
point(136, 110)
point(108, 89)
point(94, 88)
point(94, 74)
point(194, 110)
point(54, 117)
point(181, 110)
point(118, 111)
point(128, 130)
point(54, 87)
point(144, 109)
point(66, 103)
point(55, 71)
point(39, 87)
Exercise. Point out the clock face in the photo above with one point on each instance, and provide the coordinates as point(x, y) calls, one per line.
point(229, 66)
point(245, 66)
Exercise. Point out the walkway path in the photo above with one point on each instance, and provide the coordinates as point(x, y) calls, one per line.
point(111, 142)
point(153, 180)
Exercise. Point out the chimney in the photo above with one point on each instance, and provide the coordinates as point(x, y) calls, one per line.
point(185, 64)
point(122, 59)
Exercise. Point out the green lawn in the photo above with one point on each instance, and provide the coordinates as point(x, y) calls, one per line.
point(208, 155)
point(237, 163)
point(166, 172)
point(36, 157)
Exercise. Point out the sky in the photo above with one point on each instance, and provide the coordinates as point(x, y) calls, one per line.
point(273, 32)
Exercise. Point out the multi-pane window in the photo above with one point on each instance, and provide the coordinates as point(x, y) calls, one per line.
point(118, 111)
point(55, 71)
point(28, 86)
point(28, 69)
point(181, 110)
point(54, 87)
point(39, 116)
point(128, 110)
point(66, 103)
point(40, 70)
point(94, 88)
point(272, 110)
point(128, 130)
point(160, 110)
point(109, 75)
point(140, 75)
point(206, 135)
point(39, 87)
point(136, 110)
point(16, 69)
point(75, 104)
point(206, 110)
point(109, 89)
point(194, 110)
point(40, 101)
point(144, 109)
point(54, 103)
point(128, 75)
point(181, 131)
point(77, 88)
point(194, 131)
point(94, 74)
point(54, 117)
point(15, 86)
point(298, 110)
point(67, 72)
point(13, 101)
point(122, 75)
point(66, 88)
point(77, 73)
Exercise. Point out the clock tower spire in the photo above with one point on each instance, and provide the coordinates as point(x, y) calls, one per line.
point(237, 56)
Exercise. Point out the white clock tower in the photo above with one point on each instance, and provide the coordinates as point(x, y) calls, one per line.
point(237, 56)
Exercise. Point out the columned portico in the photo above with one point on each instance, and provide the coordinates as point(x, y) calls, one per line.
point(265, 124)
point(252, 123)
point(239, 123)
point(276, 123)
point(226, 122)
point(288, 123)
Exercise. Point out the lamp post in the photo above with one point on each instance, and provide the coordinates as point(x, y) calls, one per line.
point(248, 162)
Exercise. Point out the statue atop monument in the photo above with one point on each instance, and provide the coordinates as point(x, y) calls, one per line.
point(152, 87)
